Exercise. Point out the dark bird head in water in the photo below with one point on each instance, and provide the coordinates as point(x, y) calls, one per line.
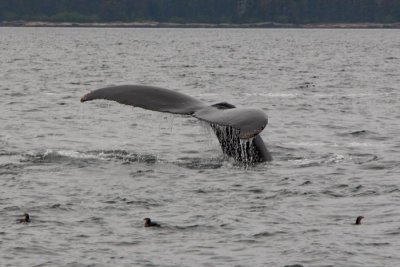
point(149, 223)
point(358, 220)
point(25, 220)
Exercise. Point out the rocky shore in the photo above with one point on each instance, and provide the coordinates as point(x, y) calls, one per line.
point(152, 24)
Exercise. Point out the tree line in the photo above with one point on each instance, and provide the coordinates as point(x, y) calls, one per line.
point(202, 11)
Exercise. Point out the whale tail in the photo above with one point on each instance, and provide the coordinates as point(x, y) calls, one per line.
point(237, 129)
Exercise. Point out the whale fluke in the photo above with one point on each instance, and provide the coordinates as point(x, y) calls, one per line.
point(237, 129)
point(148, 97)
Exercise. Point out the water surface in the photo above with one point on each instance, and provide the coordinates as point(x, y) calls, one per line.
point(89, 173)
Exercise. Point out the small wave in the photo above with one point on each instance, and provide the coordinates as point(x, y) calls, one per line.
point(283, 148)
point(125, 243)
point(256, 191)
point(364, 134)
point(306, 183)
point(305, 85)
point(9, 168)
point(124, 155)
point(139, 173)
point(331, 158)
point(372, 166)
point(209, 190)
point(187, 227)
point(70, 156)
point(268, 234)
point(393, 232)
point(7, 153)
point(272, 95)
point(248, 241)
point(392, 190)
point(283, 193)
point(332, 194)
point(361, 132)
point(35, 249)
point(199, 163)
point(196, 227)
point(16, 94)
point(146, 203)
point(363, 158)
point(357, 133)
point(368, 193)
point(324, 160)
point(305, 144)
point(50, 156)
point(374, 244)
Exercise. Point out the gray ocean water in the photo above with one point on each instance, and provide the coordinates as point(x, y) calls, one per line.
point(89, 173)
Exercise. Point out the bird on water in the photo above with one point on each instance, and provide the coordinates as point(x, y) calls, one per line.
point(24, 220)
point(358, 220)
point(149, 223)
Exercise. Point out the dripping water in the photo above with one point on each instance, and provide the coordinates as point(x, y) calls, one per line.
point(242, 150)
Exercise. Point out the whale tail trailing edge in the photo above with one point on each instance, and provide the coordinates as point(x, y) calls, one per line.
point(237, 129)
point(148, 97)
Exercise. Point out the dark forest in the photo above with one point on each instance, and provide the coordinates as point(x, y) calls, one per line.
point(202, 11)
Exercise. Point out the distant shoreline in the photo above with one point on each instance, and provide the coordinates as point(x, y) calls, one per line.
point(263, 25)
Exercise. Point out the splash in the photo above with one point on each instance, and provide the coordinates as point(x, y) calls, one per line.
point(70, 156)
point(243, 150)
